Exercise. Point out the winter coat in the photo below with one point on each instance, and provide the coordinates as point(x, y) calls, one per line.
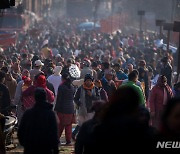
point(38, 131)
point(109, 87)
point(167, 71)
point(5, 100)
point(28, 96)
point(65, 98)
point(88, 99)
point(156, 98)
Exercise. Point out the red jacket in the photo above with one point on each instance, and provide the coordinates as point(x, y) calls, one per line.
point(156, 98)
point(28, 97)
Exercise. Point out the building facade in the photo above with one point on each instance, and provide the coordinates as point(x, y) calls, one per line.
point(39, 7)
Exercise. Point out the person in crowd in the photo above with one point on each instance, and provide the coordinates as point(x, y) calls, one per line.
point(119, 73)
point(166, 70)
point(28, 94)
point(132, 79)
point(2, 137)
point(38, 131)
point(169, 129)
point(65, 107)
point(121, 125)
point(104, 66)
point(65, 69)
point(11, 83)
point(84, 97)
point(87, 70)
point(170, 121)
point(5, 99)
point(108, 83)
point(95, 67)
point(176, 90)
point(84, 137)
point(55, 78)
point(143, 77)
point(102, 92)
point(18, 94)
point(159, 96)
point(37, 69)
point(138, 83)
point(46, 52)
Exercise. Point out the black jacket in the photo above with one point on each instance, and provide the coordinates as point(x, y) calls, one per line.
point(65, 96)
point(4, 99)
point(38, 131)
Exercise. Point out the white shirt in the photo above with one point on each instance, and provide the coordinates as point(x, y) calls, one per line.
point(56, 81)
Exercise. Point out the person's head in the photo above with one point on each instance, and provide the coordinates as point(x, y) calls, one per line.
point(24, 56)
point(122, 104)
point(26, 73)
point(2, 77)
point(57, 70)
point(142, 63)
point(108, 74)
point(69, 62)
point(117, 67)
point(171, 116)
point(65, 77)
point(164, 60)
point(40, 80)
point(130, 67)
point(38, 64)
point(40, 95)
point(133, 76)
point(94, 65)
point(98, 83)
point(88, 80)
point(8, 76)
point(97, 107)
point(162, 81)
point(105, 65)
point(1, 63)
point(86, 63)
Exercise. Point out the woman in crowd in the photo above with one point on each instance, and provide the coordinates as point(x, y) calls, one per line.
point(159, 96)
point(65, 107)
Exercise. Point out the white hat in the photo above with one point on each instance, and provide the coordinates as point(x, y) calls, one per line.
point(45, 42)
point(58, 55)
point(38, 63)
point(57, 70)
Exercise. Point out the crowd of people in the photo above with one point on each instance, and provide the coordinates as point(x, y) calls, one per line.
point(125, 98)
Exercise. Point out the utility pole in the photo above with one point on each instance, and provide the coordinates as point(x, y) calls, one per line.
point(160, 24)
point(176, 28)
point(169, 28)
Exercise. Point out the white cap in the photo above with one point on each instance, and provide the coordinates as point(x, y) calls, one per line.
point(38, 63)
point(58, 55)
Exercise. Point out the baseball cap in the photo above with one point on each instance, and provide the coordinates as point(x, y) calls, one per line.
point(38, 63)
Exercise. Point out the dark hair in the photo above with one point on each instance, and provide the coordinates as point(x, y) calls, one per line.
point(171, 104)
point(36, 76)
point(2, 75)
point(67, 79)
point(124, 101)
point(40, 95)
point(94, 64)
point(106, 65)
point(132, 76)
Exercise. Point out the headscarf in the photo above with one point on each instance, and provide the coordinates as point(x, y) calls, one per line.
point(41, 81)
point(162, 82)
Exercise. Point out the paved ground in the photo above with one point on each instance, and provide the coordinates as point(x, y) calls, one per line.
point(19, 149)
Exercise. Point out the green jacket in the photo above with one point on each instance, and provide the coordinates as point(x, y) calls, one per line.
point(137, 89)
